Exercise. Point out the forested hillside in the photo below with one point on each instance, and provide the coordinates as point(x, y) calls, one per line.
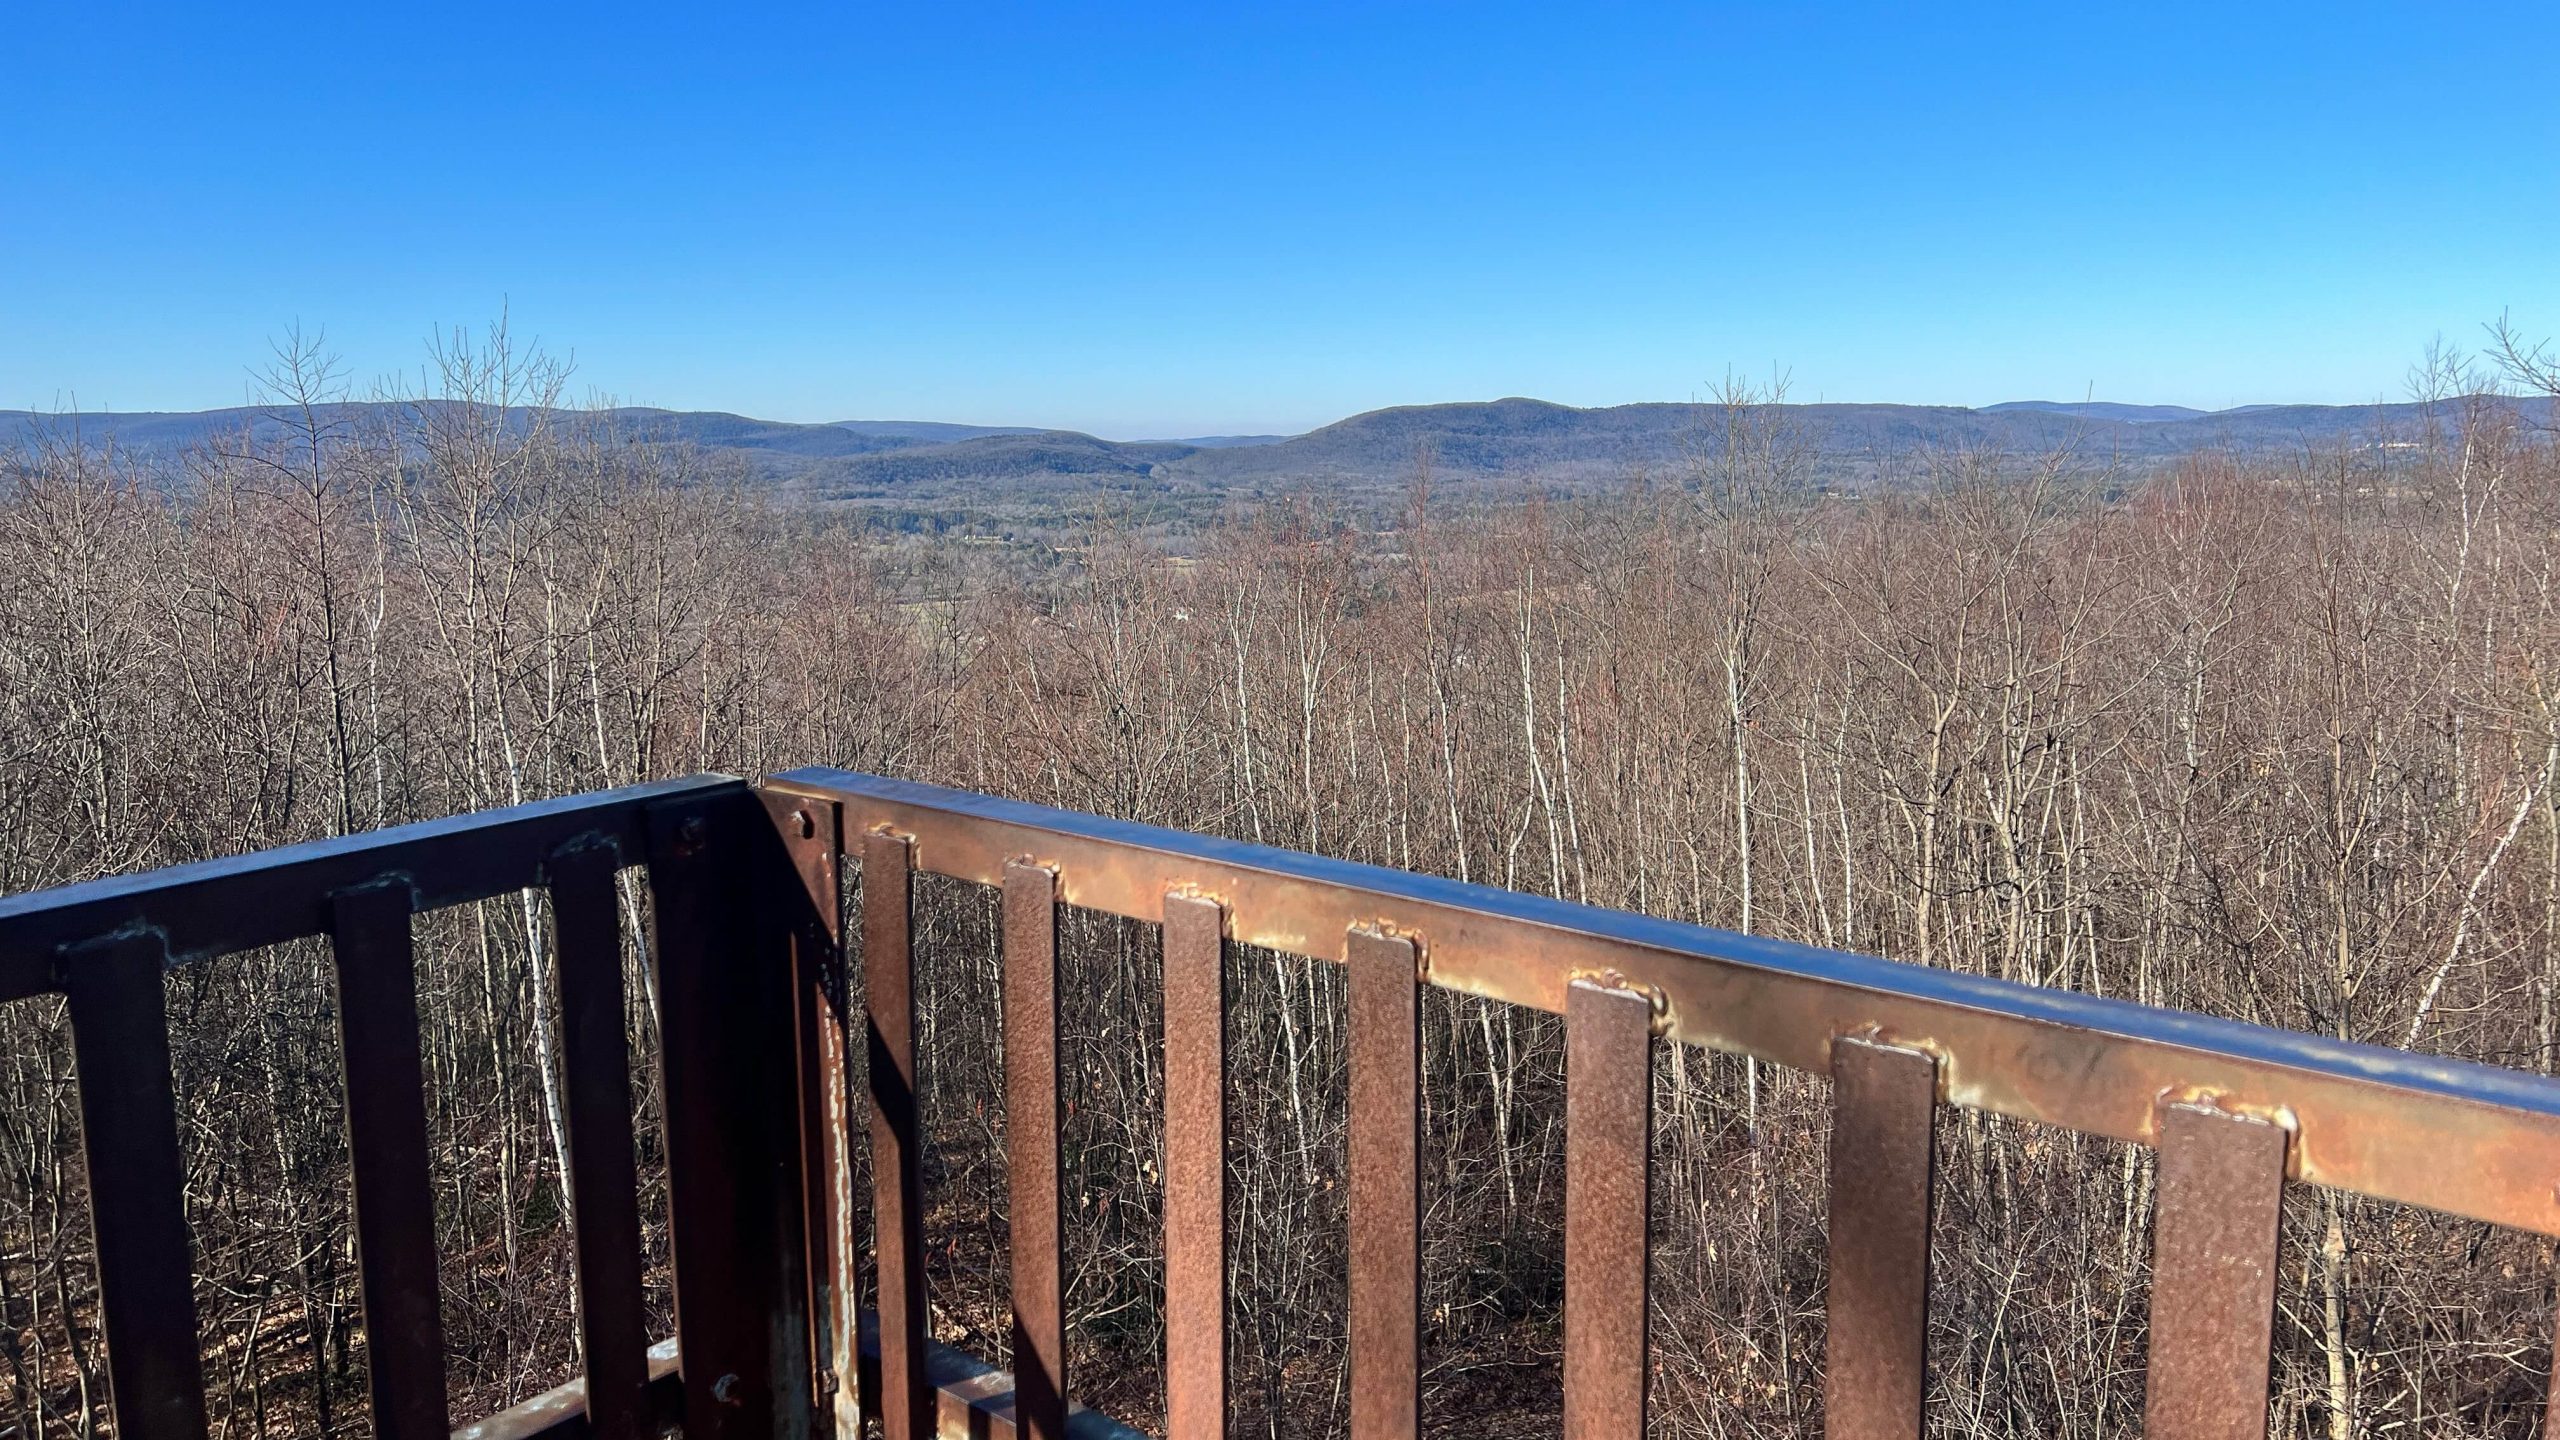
point(1488, 450)
point(2266, 737)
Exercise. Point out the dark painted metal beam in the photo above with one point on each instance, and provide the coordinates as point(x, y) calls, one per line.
point(216, 907)
point(603, 1168)
point(395, 1198)
point(129, 1131)
point(721, 897)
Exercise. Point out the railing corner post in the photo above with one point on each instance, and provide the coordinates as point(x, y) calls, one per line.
point(811, 907)
point(719, 883)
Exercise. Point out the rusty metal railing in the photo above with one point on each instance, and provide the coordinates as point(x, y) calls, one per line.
point(2235, 1110)
point(756, 1020)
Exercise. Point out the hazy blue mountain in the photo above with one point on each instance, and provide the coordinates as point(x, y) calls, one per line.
point(2103, 410)
point(1505, 441)
point(1022, 456)
point(150, 430)
point(929, 431)
point(717, 430)
point(712, 429)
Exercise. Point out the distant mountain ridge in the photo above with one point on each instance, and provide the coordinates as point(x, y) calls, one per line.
point(930, 432)
point(2103, 410)
point(1513, 438)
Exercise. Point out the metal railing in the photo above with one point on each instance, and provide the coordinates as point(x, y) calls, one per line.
point(756, 1018)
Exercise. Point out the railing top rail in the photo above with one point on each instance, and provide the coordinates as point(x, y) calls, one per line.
point(2469, 1139)
point(215, 907)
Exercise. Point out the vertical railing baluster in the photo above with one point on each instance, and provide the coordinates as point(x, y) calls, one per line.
point(1386, 1191)
point(1608, 1130)
point(1884, 1103)
point(813, 839)
point(719, 886)
point(897, 1208)
point(1031, 1150)
point(387, 1142)
point(1195, 1168)
point(2213, 1274)
point(603, 1174)
point(129, 1134)
point(2551, 1392)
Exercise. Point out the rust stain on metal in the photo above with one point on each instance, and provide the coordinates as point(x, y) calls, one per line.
point(1031, 1149)
point(1608, 1172)
point(2213, 1283)
point(1884, 1105)
point(1195, 1168)
point(1386, 1186)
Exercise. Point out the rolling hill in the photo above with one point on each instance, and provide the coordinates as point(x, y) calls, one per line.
point(1514, 440)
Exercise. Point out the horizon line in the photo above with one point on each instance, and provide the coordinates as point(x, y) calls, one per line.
point(1132, 436)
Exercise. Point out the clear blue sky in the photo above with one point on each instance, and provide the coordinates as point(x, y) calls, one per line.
point(1189, 218)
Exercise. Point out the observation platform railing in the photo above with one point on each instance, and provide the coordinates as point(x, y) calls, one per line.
point(758, 1010)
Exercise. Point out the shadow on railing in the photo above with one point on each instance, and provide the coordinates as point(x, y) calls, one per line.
point(756, 1017)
